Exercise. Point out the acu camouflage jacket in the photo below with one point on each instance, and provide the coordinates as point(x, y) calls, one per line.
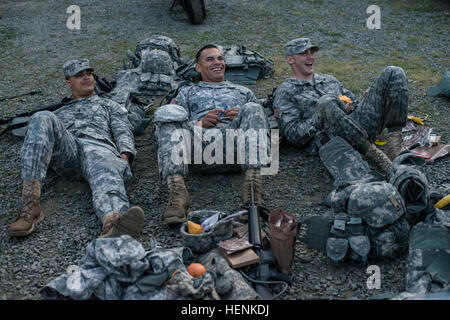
point(295, 105)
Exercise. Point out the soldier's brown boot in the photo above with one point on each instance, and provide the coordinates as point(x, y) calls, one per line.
point(252, 176)
point(379, 160)
point(115, 224)
point(30, 212)
point(394, 144)
point(178, 204)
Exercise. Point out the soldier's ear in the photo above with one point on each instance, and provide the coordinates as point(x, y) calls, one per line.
point(289, 60)
point(197, 67)
point(68, 82)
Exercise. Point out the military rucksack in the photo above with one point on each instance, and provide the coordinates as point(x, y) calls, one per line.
point(157, 42)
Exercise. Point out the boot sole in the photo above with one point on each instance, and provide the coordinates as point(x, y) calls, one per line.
point(131, 223)
point(23, 233)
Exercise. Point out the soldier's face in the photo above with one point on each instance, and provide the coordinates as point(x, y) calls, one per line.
point(211, 65)
point(82, 84)
point(302, 64)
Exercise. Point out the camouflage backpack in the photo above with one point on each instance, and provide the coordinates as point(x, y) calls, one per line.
point(157, 42)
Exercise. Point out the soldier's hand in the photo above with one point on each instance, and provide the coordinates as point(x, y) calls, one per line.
point(365, 92)
point(211, 118)
point(123, 155)
point(348, 106)
point(232, 113)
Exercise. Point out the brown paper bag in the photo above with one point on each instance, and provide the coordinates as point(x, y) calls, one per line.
point(283, 232)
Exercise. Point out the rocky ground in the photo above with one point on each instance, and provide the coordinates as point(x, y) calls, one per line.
point(35, 42)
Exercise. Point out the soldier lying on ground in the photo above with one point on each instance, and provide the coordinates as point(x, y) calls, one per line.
point(212, 103)
point(308, 108)
point(90, 138)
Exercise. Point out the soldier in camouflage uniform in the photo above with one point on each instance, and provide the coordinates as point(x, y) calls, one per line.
point(210, 106)
point(308, 108)
point(89, 138)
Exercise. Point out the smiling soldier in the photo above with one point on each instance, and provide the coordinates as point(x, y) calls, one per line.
point(211, 104)
point(312, 107)
point(89, 138)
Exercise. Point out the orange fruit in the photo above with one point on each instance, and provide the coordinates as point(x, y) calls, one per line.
point(345, 99)
point(194, 228)
point(196, 269)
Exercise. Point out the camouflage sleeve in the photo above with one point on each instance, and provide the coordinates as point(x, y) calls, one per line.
point(121, 128)
point(182, 99)
point(292, 123)
point(251, 97)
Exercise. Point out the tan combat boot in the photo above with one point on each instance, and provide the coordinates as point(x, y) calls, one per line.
point(115, 224)
point(30, 212)
point(252, 176)
point(394, 144)
point(178, 204)
point(379, 160)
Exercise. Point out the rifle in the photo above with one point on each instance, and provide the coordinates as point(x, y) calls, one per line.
point(22, 95)
point(262, 273)
point(22, 118)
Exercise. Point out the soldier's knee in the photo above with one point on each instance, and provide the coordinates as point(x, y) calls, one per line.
point(42, 115)
point(326, 99)
point(326, 102)
point(252, 107)
point(41, 118)
point(170, 113)
point(394, 70)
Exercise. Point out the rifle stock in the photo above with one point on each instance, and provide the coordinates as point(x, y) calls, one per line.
point(51, 107)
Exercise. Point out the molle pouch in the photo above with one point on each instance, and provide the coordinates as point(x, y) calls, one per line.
point(318, 229)
point(338, 228)
point(337, 249)
point(360, 248)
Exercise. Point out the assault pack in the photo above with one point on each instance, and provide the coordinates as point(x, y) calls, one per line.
point(151, 69)
point(155, 42)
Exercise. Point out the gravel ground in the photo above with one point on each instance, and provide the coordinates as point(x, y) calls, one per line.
point(34, 43)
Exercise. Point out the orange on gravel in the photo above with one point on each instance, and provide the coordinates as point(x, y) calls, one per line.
point(196, 269)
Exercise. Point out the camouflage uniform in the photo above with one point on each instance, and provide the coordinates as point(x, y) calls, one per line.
point(83, 139)
point(192, 103)
point(303, 107)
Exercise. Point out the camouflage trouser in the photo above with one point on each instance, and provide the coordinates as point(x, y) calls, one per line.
point(48, 143)
point(384, 106)
point(250, 116)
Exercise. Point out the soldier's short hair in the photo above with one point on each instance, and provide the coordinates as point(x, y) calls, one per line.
point(208, 46)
